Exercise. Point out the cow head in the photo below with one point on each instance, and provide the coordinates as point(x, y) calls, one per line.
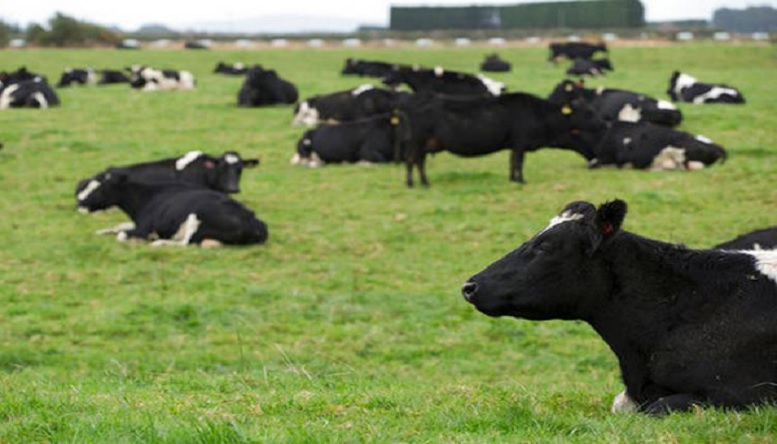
point(306, 113)
point(138, 76)
point(557, 274)
point(578, 127)
point(567, 91)
point(221, 173)
point(101, 191)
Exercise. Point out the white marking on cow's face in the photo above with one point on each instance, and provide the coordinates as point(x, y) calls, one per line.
point(629, 114)
point(670, 158)
point(765, 262)
point(626, 140)
point(438, 71)
point(239, 65)
point(682, 81)
point(715, 93)
point(622, 403)
point(663, 104)
point(7, 96)
point(494, 87)
point(306, 115)
point(361, 89)
point(703, 139)
point(231, 159)
point(187, 158)
point(566, 216)
point(89, 189)
point(306, 142)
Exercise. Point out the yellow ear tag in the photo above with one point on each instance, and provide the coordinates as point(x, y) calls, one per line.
point(394, 120)
point(566, 109)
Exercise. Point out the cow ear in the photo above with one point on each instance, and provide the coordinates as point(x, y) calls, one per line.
point(609, 218)
point(250, 163)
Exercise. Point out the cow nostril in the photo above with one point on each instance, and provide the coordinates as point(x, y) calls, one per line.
point(468, 290)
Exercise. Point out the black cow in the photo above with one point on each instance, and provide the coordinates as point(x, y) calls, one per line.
point(689, 327)
point(763, 239)
point(264, 87)
point(583, 67)
point(616, 104)
point(195, 45)
point(235, 69)
point(34, 93)
point(441, 81)
point(111, 76)
point(684, 88)
point(643, 145)
point(493, 63)
point(366, 68)
point(174, 213)
point(376, 139)
point(77, 76)
point(217, 173)
point(150, 79)
point(345, 106)
point(574, 50)
point(475, 126)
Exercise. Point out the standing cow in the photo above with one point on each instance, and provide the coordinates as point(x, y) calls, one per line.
point(689, 327)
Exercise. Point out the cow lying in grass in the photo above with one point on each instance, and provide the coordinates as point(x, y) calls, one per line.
point(763, 239)
point(689, 327)
point(173, 213)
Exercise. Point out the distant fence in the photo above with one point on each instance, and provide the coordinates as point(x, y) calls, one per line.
point(593, 14)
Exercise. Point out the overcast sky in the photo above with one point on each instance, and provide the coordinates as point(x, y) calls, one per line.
point(133, 13)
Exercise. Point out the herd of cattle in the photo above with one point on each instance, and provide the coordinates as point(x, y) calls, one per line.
point(689, 327)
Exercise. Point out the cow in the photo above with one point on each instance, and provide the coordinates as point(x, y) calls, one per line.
point(77, 76)
point(618, 105)
point(643, 145)
point(376, 139)
point(345, 106)
point(684, 88)
point(264, 87)
point(441, 81)
point(149, 79)
point(475, 126)
point(35, 93)
point(220, 173)
point(112, 76)
point(366, 68)
point(574, 50)
point(173, 213)
point(235, 69)
point(763, 239)
point(586, 67)
point(7, 78)
point(493, 63)
point(689, 327)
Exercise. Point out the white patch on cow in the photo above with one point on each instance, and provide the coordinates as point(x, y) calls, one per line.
point(715, 93)
point(622, 403)
point(683, 81)
point(599, 90)
point(494, 87)
point(91, 76)
point(566, 216)
point(306, 115)
point(210, 243)
point(629, 114)
point(296, 159)
point(703, 139)
point(663, 104)
point(695, 165)
point(183, 236)
point(315, 161)
point(765, 262)
point(361, 89)
point(238, 65)
point(41, 99)
point(7, 96)
point(187, 158)
point(670, 158)
point(307, 142)
point(231, 159)
point(438, 71)
point(121, 236)
point(626, 140)
point(124, 226)
point(89, 189)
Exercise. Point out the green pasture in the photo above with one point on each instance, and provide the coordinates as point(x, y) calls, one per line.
point(348, 325)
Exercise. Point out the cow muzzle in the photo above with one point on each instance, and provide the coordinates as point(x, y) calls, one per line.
point(468, 290)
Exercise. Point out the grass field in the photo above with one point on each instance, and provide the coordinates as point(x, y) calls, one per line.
point(348, 325)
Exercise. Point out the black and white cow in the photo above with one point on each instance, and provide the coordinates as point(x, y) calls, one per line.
point(345, 106)
point(366, 68)
point(618, 105)
point(149, 79)
point(643, 145)
point(173, 213)
point(112, 76)
point(493, 63)
point(763, 239)
point(77, 76)
point(689, 327)
point(264, 87)
point(586, 67)
point(441, 81)
point(235, 69)
point(574, 50)
point(475, 126)
point(220, 173)
point(684, 88)
point(376, 139)
point(7, 78)
point(35, 93)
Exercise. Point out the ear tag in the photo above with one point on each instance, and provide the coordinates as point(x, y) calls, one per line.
point(566, 110)
point(568, 88)
point(394, 120)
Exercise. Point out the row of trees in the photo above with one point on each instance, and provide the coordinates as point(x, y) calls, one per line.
point(61, 31)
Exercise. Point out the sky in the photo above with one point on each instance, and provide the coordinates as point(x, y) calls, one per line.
point(129, 15)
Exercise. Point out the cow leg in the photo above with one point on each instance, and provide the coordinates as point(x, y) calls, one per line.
point(421, 164)
point(184, 234)
point(516, 166)
point(124, 226)
point(409, 173)
point(673, 403)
